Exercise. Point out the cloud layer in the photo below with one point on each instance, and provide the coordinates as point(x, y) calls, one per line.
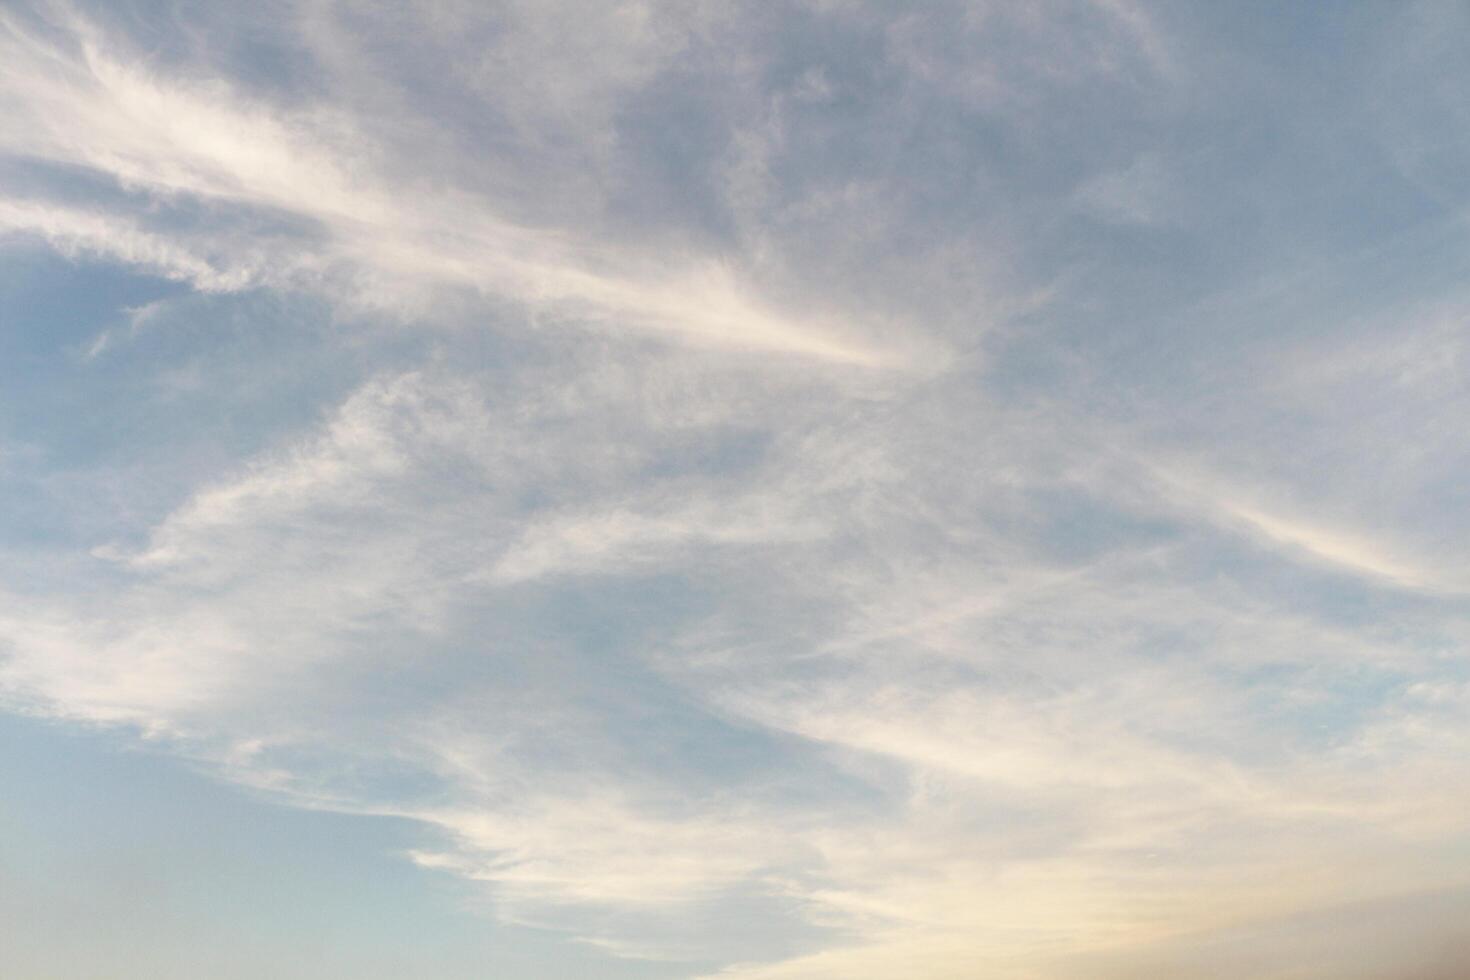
point(972, 491)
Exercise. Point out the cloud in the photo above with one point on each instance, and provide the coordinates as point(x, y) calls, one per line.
point(85, 106)
point(1345, 549)
point(734, 485)
point(76, 233)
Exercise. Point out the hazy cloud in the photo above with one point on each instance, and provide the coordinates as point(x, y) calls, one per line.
point(973, 491)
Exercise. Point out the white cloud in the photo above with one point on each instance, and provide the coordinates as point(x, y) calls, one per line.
point(1346, 549)
point(76, 233)
point(84, 105)
point(727, 593)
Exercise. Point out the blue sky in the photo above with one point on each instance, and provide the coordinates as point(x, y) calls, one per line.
point(762, 491)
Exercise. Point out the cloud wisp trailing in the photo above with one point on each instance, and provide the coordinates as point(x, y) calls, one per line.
point(886, 481)
point(76, 102)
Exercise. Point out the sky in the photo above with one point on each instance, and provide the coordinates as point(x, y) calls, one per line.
point(797, 490)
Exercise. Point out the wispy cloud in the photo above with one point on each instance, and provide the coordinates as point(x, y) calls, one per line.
point(84, 105)
point(738, 477)
point(1346, 549)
